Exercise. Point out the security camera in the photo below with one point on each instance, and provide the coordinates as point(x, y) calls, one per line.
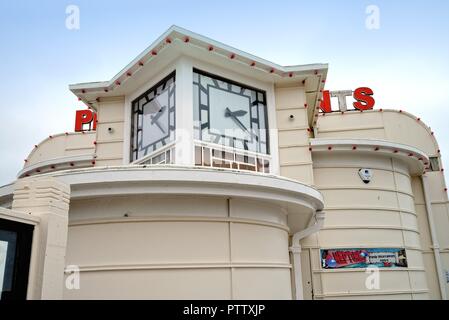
point(366, 175)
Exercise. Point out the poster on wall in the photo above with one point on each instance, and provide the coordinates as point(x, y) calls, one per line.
point(363, 258)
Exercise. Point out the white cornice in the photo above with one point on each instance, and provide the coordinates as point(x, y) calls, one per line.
point(417, 160)
point(84, 159)
point(7, 190)
point(179, 180)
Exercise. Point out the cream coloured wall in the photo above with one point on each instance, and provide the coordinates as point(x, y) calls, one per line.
point(60, 152)
point(60, 146)
point(440, 209)
point(391, 125)
point(426, 241)
point(179, 248)
point(6, 196)
point(46, 202)
point(109, 143)
point(376, 215)
point(398, 127)
point(295, 160)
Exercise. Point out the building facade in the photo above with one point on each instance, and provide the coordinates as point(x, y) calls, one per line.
point(213, 174)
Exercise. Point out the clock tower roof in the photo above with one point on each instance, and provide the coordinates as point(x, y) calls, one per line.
point(176, 42)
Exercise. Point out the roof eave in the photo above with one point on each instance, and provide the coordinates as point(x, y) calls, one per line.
point(180, 33)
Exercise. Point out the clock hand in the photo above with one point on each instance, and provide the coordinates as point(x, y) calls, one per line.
point(154, 119)
point(160, 127)
point(232, 115)
point(154, 106)
point(157, 115)
point(239, 113)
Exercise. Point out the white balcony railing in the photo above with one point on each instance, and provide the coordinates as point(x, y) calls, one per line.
point(219, 156)
point(165, 155)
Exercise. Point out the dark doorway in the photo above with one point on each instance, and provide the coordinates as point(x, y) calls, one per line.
point(15, 252)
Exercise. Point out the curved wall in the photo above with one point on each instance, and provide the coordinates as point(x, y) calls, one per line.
point(61, 152)
point(390, 125)
point(396, 126)
point(380, 214)
point(178, 247)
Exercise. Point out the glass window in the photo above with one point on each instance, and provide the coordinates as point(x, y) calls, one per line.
point(229, 114)
point(8, 241)
point(434, 164)
point(15, 253)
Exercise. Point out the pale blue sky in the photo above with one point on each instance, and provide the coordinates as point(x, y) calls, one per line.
point(406, 61)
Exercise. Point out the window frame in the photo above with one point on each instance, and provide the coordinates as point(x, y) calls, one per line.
point(22, 258)
point(258, 91)
point(133, 138)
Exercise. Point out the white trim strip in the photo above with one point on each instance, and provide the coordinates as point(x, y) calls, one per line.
point(177, 219)
point(205, 265)
point(369, 293)
point(56, 161)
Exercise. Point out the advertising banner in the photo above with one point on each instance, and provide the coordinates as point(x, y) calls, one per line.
point(363, 258)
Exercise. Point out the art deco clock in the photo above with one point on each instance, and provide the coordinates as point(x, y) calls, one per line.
point(153, 118)
point(230, 114)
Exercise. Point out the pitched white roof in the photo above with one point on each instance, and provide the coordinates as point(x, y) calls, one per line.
point(187, 42)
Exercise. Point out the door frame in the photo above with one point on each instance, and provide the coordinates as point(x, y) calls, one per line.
point(22, 258)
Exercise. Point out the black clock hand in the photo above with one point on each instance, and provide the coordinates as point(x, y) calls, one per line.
point(154, 119)
point(153, 106)
point(160, 127)
point(157, 115)
point(234, 115)
point(239, 113)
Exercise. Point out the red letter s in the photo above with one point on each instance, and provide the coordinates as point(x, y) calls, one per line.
point(364, 98)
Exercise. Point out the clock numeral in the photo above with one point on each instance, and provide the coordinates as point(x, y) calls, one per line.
point(217, 139)
point(203, 89)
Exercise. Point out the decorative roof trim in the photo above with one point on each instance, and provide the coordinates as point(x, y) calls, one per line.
point(179, 34)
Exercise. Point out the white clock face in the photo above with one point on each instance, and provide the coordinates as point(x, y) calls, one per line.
point(153, 121)
point(156, 119)
point(229, 114)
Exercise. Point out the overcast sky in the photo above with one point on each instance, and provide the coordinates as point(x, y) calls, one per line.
point(405, 61)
